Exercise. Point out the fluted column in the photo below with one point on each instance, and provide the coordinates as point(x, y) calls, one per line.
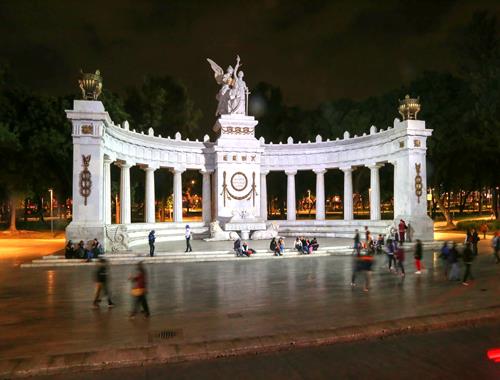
point(206, 197)
point(125, 206)
point(290, 195)
point(149, 202)
point(348, 209)
point(177, 195)
point(107, 190)
point(263, 195)
point(320, 194)
point(374, 191)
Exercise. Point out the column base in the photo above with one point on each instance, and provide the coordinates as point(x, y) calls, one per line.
point(85, 231)
point(420, 227)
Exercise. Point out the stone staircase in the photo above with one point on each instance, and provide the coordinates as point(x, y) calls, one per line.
point(124, 258)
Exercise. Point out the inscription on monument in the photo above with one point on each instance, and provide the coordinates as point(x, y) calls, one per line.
point(239, 181)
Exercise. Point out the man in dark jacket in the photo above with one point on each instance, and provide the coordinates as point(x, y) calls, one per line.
point(151, 240)
point(475, 239)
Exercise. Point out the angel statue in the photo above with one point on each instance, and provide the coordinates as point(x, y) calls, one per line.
point(233, 94)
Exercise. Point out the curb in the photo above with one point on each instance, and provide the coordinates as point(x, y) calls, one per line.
point(162, 353)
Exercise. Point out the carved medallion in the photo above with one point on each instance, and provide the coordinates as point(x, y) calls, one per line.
point(87, 129)
point(239, 181)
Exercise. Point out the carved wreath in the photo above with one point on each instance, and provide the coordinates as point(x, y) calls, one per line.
point(85, 179)
point(418, 183)
point(228, 195)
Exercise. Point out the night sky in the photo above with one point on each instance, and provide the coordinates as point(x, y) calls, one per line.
point(314, 50)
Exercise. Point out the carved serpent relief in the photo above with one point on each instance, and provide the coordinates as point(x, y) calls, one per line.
point(85, 179)
point(418, 183)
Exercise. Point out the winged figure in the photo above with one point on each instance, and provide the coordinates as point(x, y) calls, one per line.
point(231, 97)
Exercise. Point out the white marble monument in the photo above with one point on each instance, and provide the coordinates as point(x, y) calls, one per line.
point(234, 170)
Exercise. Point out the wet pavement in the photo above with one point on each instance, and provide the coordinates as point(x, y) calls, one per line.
point(49, 311)
point(458, 354)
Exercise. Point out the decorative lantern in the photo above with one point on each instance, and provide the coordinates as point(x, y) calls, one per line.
point(409, 107)
point(90, 84)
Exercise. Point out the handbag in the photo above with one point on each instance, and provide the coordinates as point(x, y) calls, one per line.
point(136, 292)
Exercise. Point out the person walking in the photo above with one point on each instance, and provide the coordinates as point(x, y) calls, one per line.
point(445, 253)
point(418, 256)
point(495, 243)
point(391, 260)
point(139, 290)
point(102, 277)
point(188, 239)
point(453, 262)
point(151, 240)
point(357, 242)
point(400, 256)
point(468, 256)
point(474, 239)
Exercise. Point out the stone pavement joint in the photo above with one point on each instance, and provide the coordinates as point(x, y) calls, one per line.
point(175, 352)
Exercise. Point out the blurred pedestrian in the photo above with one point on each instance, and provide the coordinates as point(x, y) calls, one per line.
point(357, 242)
point(139, 290)
point(484, 229)
point(495, 244)
point(237, 247)
point(474, 240)
point(188, 239)
point(400, 257)
point(151, 241)
point(102, 283)
point(444, 255)
point(391, 260)
point(468, 257)
point(418, 256)
point(453, 261)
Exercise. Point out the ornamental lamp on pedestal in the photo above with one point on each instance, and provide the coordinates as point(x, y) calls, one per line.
point(90, 84)
point(409, 107)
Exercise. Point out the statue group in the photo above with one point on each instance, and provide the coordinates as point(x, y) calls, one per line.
point(233, 94)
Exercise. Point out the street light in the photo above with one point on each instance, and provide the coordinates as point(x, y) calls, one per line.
point(51, 218)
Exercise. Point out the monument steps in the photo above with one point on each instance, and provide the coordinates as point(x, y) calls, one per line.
point(124, 258)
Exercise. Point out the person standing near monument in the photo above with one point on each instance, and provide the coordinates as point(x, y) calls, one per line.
point(468, 256)
point(495, 244)
point(418, 256)
point(402, 229)
point(139, 289)
point(188, 239)
point(151, 240)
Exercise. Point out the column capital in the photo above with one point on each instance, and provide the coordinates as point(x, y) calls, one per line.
point(290, 172)
point(107, 160)
point(374, 165)
point(124, 164)
point(347, 169)
point(320, 171)
point(149, 168)
point(205, 171)
point(178, 170)
point(264, 172)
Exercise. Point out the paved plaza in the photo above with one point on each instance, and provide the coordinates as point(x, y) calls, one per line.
point(47, 311)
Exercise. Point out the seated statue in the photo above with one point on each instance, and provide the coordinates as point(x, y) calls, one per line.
point(218, 234)
point(270, 232)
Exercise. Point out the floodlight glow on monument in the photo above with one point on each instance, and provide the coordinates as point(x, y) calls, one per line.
point(234, 169)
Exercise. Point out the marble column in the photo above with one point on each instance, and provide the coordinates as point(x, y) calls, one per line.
point(374, 192)
point(177, 195)
point(125, 206)
point(107, 190)
point(263, 195)
point(348, 201)
point(206, 197)
point(149, 202)
point(290, 196)
point(320, 194)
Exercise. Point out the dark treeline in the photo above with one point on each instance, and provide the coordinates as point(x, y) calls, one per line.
point(461, 107)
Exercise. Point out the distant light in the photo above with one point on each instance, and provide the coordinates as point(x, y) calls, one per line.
point(494, 354)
